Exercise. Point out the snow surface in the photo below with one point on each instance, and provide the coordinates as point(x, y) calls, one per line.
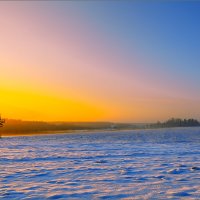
point(139, 164)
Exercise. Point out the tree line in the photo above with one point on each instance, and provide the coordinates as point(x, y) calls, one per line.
point(177, 122)
point(19, 126)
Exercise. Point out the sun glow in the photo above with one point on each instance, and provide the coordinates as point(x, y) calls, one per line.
point(37, 105)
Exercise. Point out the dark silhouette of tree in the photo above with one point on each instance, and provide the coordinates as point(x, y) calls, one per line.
point(2, 121)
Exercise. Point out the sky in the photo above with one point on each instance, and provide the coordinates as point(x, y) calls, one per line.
point(120, 61)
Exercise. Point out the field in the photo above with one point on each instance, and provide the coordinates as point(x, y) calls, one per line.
point(138, 164)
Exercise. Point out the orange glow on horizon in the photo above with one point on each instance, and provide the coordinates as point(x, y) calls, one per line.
point(32, 105)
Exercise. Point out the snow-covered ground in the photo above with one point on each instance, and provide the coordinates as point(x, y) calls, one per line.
point(140, 164)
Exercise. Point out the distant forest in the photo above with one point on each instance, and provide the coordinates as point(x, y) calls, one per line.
point(19, 126)
point(26, 127)
point(176, 122)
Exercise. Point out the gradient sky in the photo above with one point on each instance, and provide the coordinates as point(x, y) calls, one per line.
point(99, 61)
